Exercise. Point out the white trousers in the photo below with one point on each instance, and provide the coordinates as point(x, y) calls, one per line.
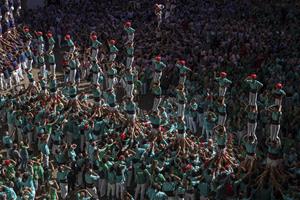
point(43, 70)
point(200, 119)
point(156, 103)
point(129, 89)
point(102, 185)
point(24, 65)
point(20, 135)
point(94, 54)
point(111, 82)
point(20, 72)
point(129, 62)
point(251, 128)
point(29, 64)
point(278, 101)
point(11, 129)
point(64, 190)
point(52, 69)
point(120, 188)
point(93, 192)
point(182, 79)
point(222, 119)
point(2, 82)
point(222, 91)
point(188, 196)
point(157, 76)
point(192, 125)
point(46, 160)
point(96, 78)
point(111, 190)
point(252, 99)
point(130, 38)
point(140, 190)
point(72, 75)
point(16, 77)
point(112, 57)
point(180, 109)
point(29, 137)
point(274, 131)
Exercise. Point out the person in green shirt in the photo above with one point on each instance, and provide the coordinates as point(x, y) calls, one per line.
point(83, 194)
point(110, 98)
point(130, 54)
point(221, 137)
point(158, 9)
point(142, 176)
point(192, 119)
point(96, 72)
point(96, 44)
point(40, 42)
point(29, 56)
point(182, 71)
point(255, 86)
point(130, 108)
point(130, 32)
point(91, 178)
point(111, 183)
point(51, 41)
point(252, 113)
point(223, 83)
point(156, 90)
point(221, 110)
point(113, 50)
point(111, 75)
point(278, 94)
point(121, 170)
point(62, 179)
point(43, 84)
point(73, 67)
point(7, 141)
point(41, 64)
point(38, 173)
point(51, 62)
point(70, 44)
point(45, 149)
point(159, 66)
point(28, 36)
point(181, 100)
point(276, 114)
point(250, 143)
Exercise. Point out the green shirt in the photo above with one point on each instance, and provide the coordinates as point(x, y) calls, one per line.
point(113, 49)
point(130, 106)
point(254, 85)
point(182, 69)
point(141, 176)
point(159, 66)
point(130, 51)
point(129, 30)
point(96, 44)
point(51, 59)
point(73, 64)
point(276, 116)
point(223, 82)
point(157, 91)
point(51, 42)
point(95, 68)
point(111, 71)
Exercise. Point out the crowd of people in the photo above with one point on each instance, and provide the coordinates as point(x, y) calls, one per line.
point(142, 100)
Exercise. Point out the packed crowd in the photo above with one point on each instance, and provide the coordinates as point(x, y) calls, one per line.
point(223, 78)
